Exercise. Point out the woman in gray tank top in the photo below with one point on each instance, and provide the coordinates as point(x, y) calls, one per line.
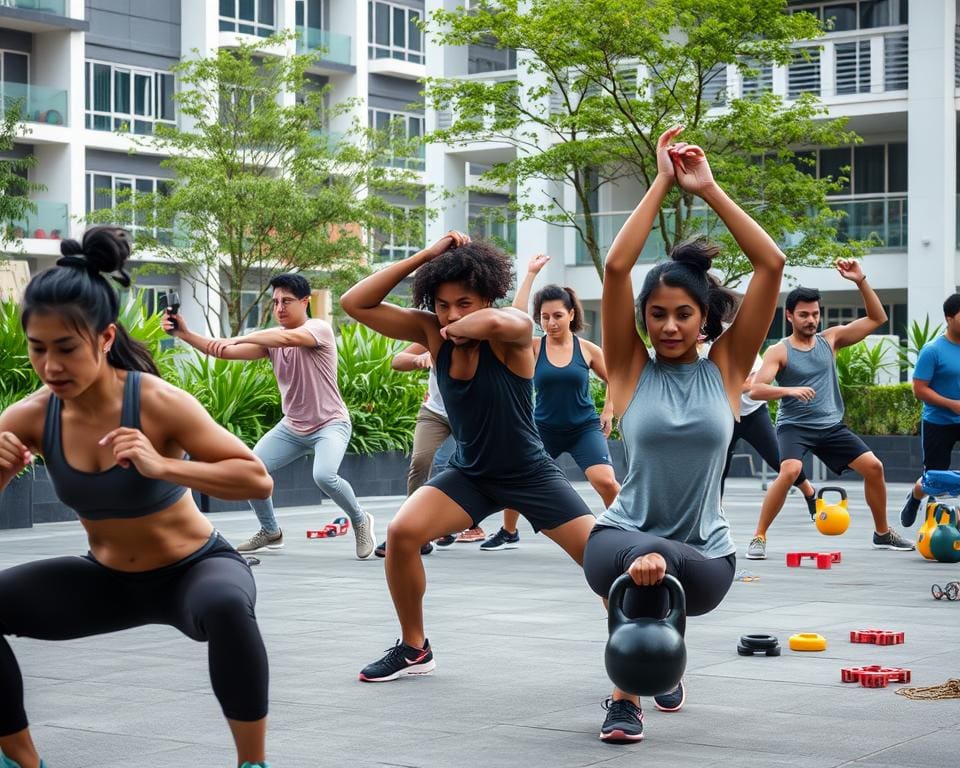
point(677, 410)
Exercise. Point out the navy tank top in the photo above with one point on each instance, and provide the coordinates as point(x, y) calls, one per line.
point(491, 417)
point(563, 394)
point(114, 493)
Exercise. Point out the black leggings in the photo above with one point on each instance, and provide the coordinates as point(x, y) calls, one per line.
point(209, 596)
point(757, 429)
point(610, 551)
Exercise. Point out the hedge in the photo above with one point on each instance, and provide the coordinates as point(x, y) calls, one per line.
point(889, 409)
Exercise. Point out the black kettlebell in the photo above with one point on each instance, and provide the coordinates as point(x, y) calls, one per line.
point(644, 656)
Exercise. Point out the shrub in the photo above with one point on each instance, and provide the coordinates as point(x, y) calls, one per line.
point(17, 378)
point(598, 391)
point(882, 410)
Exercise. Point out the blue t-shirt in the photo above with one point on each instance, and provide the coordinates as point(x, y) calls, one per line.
point(938, 364)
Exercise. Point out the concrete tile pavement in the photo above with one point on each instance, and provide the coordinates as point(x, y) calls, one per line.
point(519, 642)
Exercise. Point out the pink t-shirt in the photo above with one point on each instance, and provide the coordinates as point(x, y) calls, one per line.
point(307, 377)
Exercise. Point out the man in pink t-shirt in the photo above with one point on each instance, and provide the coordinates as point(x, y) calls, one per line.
point(303, 352)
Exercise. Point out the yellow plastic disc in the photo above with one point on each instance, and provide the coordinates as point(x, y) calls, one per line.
point(808, 641)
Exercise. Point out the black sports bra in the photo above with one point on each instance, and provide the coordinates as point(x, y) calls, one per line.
point(114, 493)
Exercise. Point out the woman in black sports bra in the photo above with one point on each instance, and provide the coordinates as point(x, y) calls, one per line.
point(113, 436)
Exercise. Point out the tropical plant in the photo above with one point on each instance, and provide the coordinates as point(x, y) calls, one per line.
point(383, 403)
point(918, 336)
point(861, 364)
point(17, 377)
point(146, 328)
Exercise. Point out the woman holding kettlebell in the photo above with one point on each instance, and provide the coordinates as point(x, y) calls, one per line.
point(113, 436)
point(677, 409)
point(565, 415)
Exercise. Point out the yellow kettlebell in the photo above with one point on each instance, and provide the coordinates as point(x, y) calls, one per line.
point(937, 514)
point(832, 519)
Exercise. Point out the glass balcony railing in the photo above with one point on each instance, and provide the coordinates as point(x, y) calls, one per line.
point(37, 103)
point(332, 46)
point(58, 7)
point(607, 225)
point(48, 222)
point(883, 216)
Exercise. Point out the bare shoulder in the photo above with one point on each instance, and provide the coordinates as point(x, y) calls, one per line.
point(162, 400)
point(26, 418)
point(589, 349)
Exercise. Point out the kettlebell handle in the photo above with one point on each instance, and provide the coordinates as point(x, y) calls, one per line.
point(834, 489)
point(676, 616)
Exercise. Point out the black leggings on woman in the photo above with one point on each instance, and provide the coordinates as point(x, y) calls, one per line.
point(757, 429)
point(610, 551)
point(209, 596)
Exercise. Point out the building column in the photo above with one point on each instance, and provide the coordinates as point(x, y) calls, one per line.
point(931, 159)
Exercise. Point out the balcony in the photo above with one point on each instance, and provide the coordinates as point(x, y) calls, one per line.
point(883, 216)
point(49, 222)
point(38, 104)
point(39, 16)
point(333, 47)
point(56, 7)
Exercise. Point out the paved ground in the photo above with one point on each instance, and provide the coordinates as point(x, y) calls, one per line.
point(519, 642)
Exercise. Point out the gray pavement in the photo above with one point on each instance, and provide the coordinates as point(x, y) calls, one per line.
point(519, 640)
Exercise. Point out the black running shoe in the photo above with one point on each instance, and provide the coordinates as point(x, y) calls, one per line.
point(672, 701)
point(400, 661)
point(908, 515)
point(381, 551)
point(811, 505)
point(446, 541)
point(502, 539)
point(624, 722)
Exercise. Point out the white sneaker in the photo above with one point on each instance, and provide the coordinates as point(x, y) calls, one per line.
point(366, 541)
point(260, 541)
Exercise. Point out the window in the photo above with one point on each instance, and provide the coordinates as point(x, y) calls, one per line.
point(394, 32)
point(248, 17)
point(412, 128)
point(258, 309)
point(875, 169)
point(14, 69)
point(310, 13)
point(856, 14)
point(126, 99)
point(394, 246)
point(106, 191)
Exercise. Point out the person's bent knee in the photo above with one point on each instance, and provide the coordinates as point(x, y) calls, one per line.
point(791, 469)
point(405, 534)
point(871, 468)
point(225, 607)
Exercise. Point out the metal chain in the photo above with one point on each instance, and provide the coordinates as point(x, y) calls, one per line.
point(947, 690)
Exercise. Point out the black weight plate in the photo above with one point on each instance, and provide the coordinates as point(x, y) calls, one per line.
point(759, 642)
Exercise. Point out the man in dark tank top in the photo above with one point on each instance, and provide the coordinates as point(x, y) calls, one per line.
point(810, 419)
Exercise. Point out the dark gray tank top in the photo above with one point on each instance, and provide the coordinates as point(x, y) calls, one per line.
point(814, 368)
point(115, 493)
point(675, 432)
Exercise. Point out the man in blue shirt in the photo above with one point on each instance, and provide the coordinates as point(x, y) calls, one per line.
point(936, 382)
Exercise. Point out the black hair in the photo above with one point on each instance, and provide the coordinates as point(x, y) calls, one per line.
point(479, 265)
point(77, 291)
point(802, 294)
point(688, 269)
point(289, 281)
point(559, 293)
point(952, 305)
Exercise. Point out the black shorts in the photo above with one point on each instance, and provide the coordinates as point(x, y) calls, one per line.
point(586, 445)
point(835, 446)
point(938, 441)
point(544, 496)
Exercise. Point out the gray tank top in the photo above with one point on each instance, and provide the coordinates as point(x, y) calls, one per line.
point(815, 368)
point(676, 431)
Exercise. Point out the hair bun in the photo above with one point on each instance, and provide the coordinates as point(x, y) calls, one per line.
point(107, 250)
point(70, 247)
point(697, 253)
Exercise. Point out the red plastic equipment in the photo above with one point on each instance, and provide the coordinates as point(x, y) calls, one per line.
point(337, 528)
point(876, 636)
point(822, 559)
point(874, 676)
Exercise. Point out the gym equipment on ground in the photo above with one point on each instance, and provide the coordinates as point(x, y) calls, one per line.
point(822, 559)
point(832, 519)
point(808, 641)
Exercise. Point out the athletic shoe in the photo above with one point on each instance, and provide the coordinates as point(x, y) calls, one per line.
point(811, 505)
point(502, 539)
point(400, 661)
point(365, 537)
point(262, 540)
point(672, 701)
point(381, 551)
point(908, 515)
point(891, 540)
point(446, 541)
point(471, 535)
point(757, 549)
point(623, 723)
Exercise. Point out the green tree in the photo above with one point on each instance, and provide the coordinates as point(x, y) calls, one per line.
point(260, 185)
point(15, 188)
point(597, 82)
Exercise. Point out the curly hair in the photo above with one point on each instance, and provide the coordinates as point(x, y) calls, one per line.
point(479, 265)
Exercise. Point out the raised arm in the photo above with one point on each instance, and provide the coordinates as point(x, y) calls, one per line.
point(623, 348)
point(415, 357)
point(365, 301)
point(522, 300)
point(508, 325)
point(844, 335)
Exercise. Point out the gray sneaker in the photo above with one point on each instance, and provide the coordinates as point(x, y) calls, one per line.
point(891, 540)
point(262, 540)
point(757, 549)
point(366, 542)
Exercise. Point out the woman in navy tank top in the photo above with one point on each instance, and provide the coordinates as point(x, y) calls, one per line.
point(484, 363)
point(114, 436)
point(677, 410)
point(565, 414)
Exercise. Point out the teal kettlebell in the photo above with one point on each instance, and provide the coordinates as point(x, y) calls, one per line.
point(645, 656)
point(945, 540)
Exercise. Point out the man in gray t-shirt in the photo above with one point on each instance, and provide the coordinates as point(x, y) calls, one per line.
point(810, 419)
